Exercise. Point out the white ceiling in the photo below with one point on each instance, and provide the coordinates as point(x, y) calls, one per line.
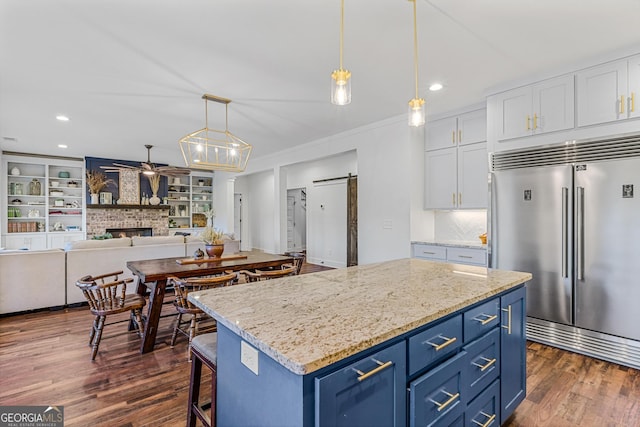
point(132, 72)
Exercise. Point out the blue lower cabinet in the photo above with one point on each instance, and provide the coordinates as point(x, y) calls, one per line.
point(436, 398)
point(484, 410)
point(483, 363)
point(370, 392)
point(434, 344)
point(513, 367)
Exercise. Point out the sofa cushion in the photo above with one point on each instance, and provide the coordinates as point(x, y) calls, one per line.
point(97, 244)
point(156, 240)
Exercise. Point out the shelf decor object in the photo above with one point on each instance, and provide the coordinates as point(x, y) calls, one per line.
point(341, 78)
point(416, 105)
point(214, 149)
point(129, 187)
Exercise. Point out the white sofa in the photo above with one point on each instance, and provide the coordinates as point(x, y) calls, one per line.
point(105, 256)
point(31, 279)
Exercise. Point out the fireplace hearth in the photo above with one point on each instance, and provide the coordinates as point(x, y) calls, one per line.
point(130, 232)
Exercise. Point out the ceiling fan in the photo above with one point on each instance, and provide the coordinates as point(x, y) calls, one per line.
point(148, 168)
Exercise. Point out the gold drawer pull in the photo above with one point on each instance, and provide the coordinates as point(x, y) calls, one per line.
point(535, 121)
point(381, 366)
point(528, 123)
point(453, 137)
point(485, 366)
point(449, 401)
point(621, 104)
point(508, 327)
point(460, 133)
point(489, 421)
point(633, 103)
point(485, 318)
point(447, 341)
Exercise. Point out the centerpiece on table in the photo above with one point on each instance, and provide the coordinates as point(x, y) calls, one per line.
point(96, 181)
point(212, 237)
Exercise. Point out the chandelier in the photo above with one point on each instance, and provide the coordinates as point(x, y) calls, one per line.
point(214, 149)
point(416, 105)
point(340, 78)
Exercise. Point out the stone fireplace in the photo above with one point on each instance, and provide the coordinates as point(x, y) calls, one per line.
point(100, 218)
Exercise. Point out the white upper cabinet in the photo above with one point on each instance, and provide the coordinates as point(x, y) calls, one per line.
point(608, 92)
point(456, 178)
point(467, 128)
point(544, 107)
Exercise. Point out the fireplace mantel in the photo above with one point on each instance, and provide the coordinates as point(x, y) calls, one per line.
point(128, 207)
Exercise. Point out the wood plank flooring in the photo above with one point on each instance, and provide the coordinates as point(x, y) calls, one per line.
point(45, 360)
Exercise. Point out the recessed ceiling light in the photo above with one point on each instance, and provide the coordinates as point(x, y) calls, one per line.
point(62, 146)
point(435, 87)
point(62, 118)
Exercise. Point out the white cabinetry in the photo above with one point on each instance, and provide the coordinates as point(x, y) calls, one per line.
point(42, 202)
point(467, 128)
point(189, 198)
point(456, 178)
point(544, 107)
point(608, 92)
point(454, 254)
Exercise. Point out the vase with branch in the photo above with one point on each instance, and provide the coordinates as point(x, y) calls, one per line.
point(154, 183)
point(96, 181)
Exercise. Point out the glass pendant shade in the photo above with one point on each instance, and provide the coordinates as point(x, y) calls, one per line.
point(341, 87)
point(416, 112)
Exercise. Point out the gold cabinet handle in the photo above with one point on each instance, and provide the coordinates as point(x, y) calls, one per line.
point(632, 108)
point(528, 122)
point(508, 327)
point(450, 400)
point(453, 137)
point(459, 199)
point(621, 104)
point(535, 121)
point(381, 366)
point(459, 135)
point(490, 419)
point(453, 198)
point(447, 341)
point(486, 365)
point(485, 318)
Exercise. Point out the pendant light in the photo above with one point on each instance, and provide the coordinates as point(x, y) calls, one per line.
point(215, 149)
point(341, 78)
point(416, 105)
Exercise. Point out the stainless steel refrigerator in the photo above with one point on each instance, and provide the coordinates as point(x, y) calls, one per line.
point(570, 215)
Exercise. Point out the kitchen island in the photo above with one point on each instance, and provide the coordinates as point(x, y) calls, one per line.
point(342, 347)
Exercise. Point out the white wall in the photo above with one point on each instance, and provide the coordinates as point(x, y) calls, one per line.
point(389, 173)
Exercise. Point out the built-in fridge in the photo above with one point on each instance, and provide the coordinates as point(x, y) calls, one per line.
point(570, 215)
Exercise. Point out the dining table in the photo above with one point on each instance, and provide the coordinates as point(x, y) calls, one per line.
point(153, 274)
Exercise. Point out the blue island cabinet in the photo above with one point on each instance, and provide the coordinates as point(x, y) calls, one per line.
point(466, 368)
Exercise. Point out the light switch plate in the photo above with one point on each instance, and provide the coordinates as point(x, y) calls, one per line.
point(249, 357)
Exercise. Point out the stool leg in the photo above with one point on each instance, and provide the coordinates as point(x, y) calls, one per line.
point(194, 390)
point(96, 339)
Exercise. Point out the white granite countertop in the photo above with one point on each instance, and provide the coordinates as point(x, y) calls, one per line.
point(310, 321)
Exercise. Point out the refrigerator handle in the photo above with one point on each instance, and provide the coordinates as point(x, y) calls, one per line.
point(580, 233)
point(565, 225)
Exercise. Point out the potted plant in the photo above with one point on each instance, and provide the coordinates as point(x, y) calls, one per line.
point(96, 181)
point(213, 243)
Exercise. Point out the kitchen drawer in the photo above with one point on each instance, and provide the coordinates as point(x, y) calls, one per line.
point(435, 343)
point(483, 363)
point(479, 320)
point(429, 252)
point(436, 397)
point(485, 409)
point(467, 256)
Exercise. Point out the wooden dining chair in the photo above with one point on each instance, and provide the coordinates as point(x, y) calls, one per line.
point(298, 259)
point(184, 307)
point(259, 275)
point(107, 295)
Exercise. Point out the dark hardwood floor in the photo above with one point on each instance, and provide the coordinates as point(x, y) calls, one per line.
point(45, 360)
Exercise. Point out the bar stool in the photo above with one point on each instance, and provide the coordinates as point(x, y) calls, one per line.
point(203, 350)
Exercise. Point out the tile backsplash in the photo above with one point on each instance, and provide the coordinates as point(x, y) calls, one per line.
point(459, 226)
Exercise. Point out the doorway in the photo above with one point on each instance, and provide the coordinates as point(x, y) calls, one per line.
point(296, 219)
